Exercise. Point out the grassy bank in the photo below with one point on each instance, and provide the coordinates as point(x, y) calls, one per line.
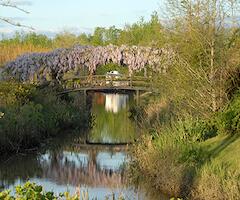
point(192, 158)
point(29, 114)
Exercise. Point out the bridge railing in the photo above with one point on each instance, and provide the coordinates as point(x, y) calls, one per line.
point(104, 81)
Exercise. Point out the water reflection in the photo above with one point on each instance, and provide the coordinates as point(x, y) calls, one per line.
point(68, 164)
point(112, 123)
point(100, 170)
point(90, 169)
point(115, 102)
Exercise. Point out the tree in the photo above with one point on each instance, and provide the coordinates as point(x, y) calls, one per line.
point(144, 33)
point(202, 30)
point(84, 39)
point(111, 35)
point(98, 36)
point(65, 39)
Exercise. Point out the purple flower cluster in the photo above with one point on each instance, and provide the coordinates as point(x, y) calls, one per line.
point(57, 62)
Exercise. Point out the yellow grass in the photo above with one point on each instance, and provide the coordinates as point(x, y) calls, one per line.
point(11, 51)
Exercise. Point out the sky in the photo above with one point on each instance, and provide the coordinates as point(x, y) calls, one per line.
point(52, 16)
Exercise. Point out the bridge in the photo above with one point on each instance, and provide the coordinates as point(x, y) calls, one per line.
point(108, 83)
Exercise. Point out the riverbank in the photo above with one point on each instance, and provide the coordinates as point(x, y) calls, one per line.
point(192, 158)
point(31, 114)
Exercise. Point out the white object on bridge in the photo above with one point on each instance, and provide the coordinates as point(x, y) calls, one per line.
point(113, 75)
point(111, 79)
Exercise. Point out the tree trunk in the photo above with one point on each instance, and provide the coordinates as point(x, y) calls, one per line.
point(212, 77)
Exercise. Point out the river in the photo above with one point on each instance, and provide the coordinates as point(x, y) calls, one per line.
point(92, 161)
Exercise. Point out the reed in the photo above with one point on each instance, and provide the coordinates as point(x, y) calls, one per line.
point(12, 51)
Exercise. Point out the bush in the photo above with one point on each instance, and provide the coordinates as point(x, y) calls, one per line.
point(21, 127)
point(193, 155)
point(228, 120)
point(15, 93)
point(197, 130)
point(31, 115)
point(33, 191)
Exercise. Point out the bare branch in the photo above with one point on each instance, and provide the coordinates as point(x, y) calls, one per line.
point(15, 23)
point(11, 5)
point(8, 3)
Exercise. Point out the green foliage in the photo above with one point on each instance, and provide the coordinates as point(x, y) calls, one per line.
point(193, 149)
point(110, 67)
point(21, 127)
point(193, 155)
point(147, 33)
point(33, 191)
point(36, 40)
point(29, 115)
point(197, 130)
point(66, 39)
point(144, 33)
point(15, 93)
point(228, 120)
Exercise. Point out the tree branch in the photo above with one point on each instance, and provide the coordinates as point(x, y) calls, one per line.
point(8, 3)
point(11, 5)
point(15, 23)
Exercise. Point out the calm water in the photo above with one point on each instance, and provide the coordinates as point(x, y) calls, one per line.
point(70, 163)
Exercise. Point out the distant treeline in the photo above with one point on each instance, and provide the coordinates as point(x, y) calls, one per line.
point(144, 33)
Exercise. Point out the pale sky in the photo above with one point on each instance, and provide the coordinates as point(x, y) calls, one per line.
point(51, 16)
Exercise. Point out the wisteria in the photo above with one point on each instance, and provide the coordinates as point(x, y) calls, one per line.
point(38, 66)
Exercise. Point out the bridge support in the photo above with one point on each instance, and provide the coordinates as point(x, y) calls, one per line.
point(137, 97)
point(85, 98)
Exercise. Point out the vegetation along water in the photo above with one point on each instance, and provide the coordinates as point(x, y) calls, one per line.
point(147, 111)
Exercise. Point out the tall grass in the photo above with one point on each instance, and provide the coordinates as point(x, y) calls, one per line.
point(23, 43)
point(11, 51)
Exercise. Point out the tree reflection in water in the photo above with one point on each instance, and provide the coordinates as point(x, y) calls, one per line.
point(89, 168)
point(112, 123)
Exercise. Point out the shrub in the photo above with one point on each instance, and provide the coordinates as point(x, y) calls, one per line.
point(31, 191)
point(193, 155)
point(197, 130)
point(21, 127)
point(31, 115)
point(15, 93)
point(228, 120)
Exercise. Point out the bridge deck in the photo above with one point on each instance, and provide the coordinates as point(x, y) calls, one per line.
point(107, 84)
point(106, 89)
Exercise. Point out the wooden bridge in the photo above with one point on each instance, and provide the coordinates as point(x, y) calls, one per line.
point(108, 83)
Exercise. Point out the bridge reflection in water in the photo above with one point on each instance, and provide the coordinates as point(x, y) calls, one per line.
point(69, 164)
point(115, 102)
